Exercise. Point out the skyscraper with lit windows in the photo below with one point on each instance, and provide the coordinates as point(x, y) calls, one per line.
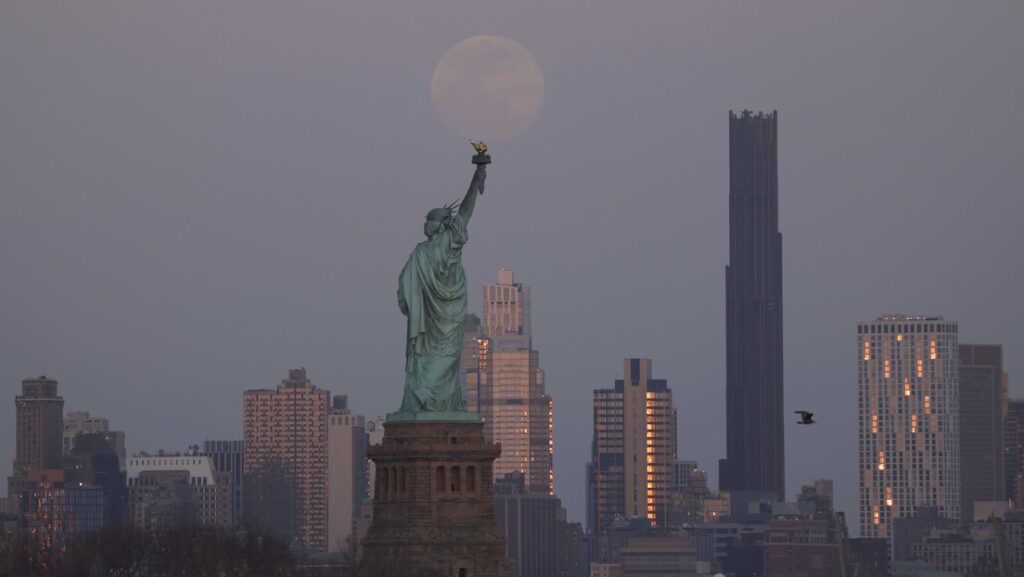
point(506, 385)
point(474, 362)
point(633, 451)
point(908, 419)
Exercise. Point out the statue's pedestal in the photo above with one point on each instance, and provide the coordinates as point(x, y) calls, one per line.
point(433, 508)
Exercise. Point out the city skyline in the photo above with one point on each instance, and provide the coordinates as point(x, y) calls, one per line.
point(194, 202)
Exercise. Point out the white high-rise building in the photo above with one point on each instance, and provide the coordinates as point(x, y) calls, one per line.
point(908, 419)
point(167, 489)
point(346, 473)
point(506, 307)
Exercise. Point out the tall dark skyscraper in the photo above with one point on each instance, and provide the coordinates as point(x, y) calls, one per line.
point(981, 426)
point(1013, 450)
point(755, 459)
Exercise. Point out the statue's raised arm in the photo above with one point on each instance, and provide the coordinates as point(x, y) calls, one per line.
point(432, 294)
point(476, 188)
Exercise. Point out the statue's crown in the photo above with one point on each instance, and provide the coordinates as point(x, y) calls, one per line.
point(443, 214)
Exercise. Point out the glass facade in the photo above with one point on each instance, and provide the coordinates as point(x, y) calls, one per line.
point(505, 384)
point(56, 512)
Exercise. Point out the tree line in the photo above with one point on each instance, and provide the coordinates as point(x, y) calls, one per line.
point(170, 551)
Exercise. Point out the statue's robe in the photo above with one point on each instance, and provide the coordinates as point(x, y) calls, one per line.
point(432, 294)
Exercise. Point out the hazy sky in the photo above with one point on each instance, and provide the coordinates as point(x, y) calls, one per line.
point(196, 196)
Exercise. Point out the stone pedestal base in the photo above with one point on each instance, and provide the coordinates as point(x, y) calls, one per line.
point(433, 507)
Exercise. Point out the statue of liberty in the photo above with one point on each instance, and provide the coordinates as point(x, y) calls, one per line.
point(432, 294)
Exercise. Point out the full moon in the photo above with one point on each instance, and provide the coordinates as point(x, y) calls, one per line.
point(487, 87)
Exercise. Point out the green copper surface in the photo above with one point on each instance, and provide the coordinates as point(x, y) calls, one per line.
point(445, 416)
point(432, 294)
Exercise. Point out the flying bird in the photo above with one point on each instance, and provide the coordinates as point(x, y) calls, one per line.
point(805, 418)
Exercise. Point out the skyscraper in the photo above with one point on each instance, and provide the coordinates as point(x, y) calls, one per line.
point(981, 426)
point(94, 461)
point(689, 486)
point(1013, 451)
point(633, 452)
point(55, 509)
point(38, 444)
point(284, 434)
point(531, 523)
point(39, 428)
point(347, 475)
point(755, 458)
point(79, 423)
point(506, 307)
point(474, 362)
point(908, 420)
point(511, 397)
point(227, 458)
